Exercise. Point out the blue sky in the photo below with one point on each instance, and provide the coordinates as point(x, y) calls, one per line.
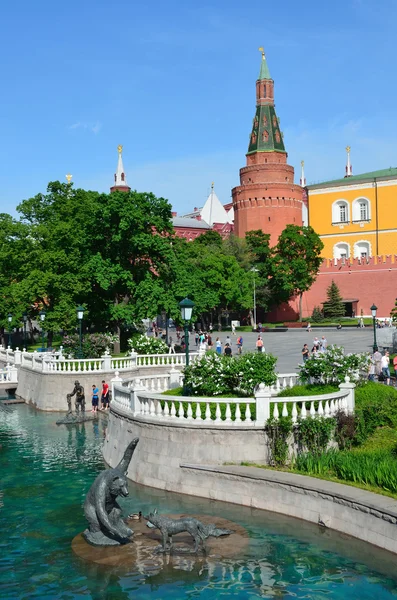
point(174, 82)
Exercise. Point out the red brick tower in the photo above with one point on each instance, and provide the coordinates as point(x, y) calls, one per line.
point(267, 197)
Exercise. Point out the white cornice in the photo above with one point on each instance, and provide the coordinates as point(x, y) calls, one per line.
point(346, 188)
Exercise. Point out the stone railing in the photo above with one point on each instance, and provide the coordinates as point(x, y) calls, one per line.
point(284, 381)
point(57, 363)
point(135, 400)
point(324, 405)
point(157, 383)
point(9, 374)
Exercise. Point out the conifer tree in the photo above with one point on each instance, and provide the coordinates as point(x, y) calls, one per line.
point(334, 307)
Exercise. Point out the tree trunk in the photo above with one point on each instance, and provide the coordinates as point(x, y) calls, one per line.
point(116, 345)
point(300, 306)
point(50, 337)
point(220, 320)
point(251, 318)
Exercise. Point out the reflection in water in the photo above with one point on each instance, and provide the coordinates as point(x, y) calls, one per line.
point(46, 471)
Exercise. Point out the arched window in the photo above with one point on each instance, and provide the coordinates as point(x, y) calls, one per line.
point(340, 212)
point(361, 209)
point(341, 250)
point(362, 249)
point(264, 91)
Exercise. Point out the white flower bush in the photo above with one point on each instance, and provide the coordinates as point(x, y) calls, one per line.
point(215, 375)
point(333, 365)
point(142, 344)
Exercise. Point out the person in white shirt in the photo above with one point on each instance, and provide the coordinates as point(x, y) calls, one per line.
point(323, 344)
point(385, 367)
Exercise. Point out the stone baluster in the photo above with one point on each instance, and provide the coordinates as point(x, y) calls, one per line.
point(294, 413)
point(207, 411)
point(218, 412)
point(17, 357)
point(312, 409)
point(228, 413)
point(327, 411)
point(189, 410)
point(198, 412)
point(303, 411)
point(284, 412)
point(238, 413)
point(276, 414)
point(13, 374)
point(248, 414)
point(166, 409)
point(320, 410)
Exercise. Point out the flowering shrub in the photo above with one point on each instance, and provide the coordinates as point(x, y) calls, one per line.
point(94, 345)
point(214, 374)
point(256, 368)
point(333, 365)
point(142, 344)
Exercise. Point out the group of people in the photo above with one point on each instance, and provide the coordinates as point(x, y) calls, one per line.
point(318, 346)
point(105, 400)
point(379, 366)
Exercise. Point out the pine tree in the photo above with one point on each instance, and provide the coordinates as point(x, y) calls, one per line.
point(334, 307)
point(317, 315)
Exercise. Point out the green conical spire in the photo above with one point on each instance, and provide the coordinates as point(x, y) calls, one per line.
point(264, 73)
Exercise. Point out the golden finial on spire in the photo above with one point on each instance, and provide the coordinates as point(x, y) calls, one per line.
point(69, 177)
point(261, 49)
point(348, 149)
point(212, 185)
point(302, 163)
point(119, 148)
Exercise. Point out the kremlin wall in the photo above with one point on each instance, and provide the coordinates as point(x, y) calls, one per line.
point(354, 216)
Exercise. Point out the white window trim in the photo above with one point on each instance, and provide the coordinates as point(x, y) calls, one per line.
point(336, 212)
point(345, 245)
point(356, 245)
point(356, 210)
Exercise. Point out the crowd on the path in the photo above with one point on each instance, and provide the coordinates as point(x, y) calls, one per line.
point(318, 346)
point(204, 341)
point(379, 367)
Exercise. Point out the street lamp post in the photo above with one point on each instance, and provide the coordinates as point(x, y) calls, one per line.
point(186, 307)
point(42, 319)
point(373, 311)
point(80, 314)
point(254, 271)
point(9, 330)
point(25, 320)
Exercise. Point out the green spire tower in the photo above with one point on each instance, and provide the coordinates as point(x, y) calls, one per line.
point(265, 135)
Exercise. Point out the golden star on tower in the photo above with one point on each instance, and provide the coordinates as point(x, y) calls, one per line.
point(69, 177)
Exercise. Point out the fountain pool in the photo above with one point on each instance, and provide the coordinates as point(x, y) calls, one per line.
point(46, 471)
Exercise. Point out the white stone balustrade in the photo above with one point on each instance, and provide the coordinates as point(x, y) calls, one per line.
point(155, 360)
point(136, 400)
point(324, 405)
point(284, 381)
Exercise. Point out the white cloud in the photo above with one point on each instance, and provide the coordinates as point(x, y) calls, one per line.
point(93, 127)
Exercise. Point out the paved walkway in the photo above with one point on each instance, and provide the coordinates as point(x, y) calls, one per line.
point(287, 346)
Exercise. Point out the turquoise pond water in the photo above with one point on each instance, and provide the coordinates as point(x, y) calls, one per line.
point(45, 472)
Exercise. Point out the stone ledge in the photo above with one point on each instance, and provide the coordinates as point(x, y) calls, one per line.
point(376, 505)
point(185, 424)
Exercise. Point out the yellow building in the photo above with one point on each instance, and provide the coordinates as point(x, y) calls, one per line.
point(356, 216)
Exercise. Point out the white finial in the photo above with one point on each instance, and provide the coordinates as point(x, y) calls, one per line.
point(303, 178)
point(349, 168)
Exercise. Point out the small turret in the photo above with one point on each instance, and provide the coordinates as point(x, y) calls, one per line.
point(349, 168)
point(303, 178)
point(120, 180)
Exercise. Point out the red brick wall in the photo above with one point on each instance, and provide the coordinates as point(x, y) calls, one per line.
point(370, 282)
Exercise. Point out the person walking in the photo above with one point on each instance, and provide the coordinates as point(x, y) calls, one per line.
point(233, 329)
point(105, 395)
point(305, 352)
point(171, 349)
point(371, 369)
point(239, 344)
point(385, 367)
point(308, 327)
point(95, 399)
point(323, 344)
point(218, 346)
point(395, 366)
point(259, 344)
point(228, 341)
point(378, 362)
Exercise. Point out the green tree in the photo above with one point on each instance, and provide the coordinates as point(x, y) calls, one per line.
point(131, 262)
point(296, 261)
point(258, 245)
point(334, 307)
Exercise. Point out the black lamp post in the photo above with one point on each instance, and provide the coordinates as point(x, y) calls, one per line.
point(373, 311)
point(42, 319)
point(9, 330)
point(25, 320)
point(80, 315)
point(186, 307)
